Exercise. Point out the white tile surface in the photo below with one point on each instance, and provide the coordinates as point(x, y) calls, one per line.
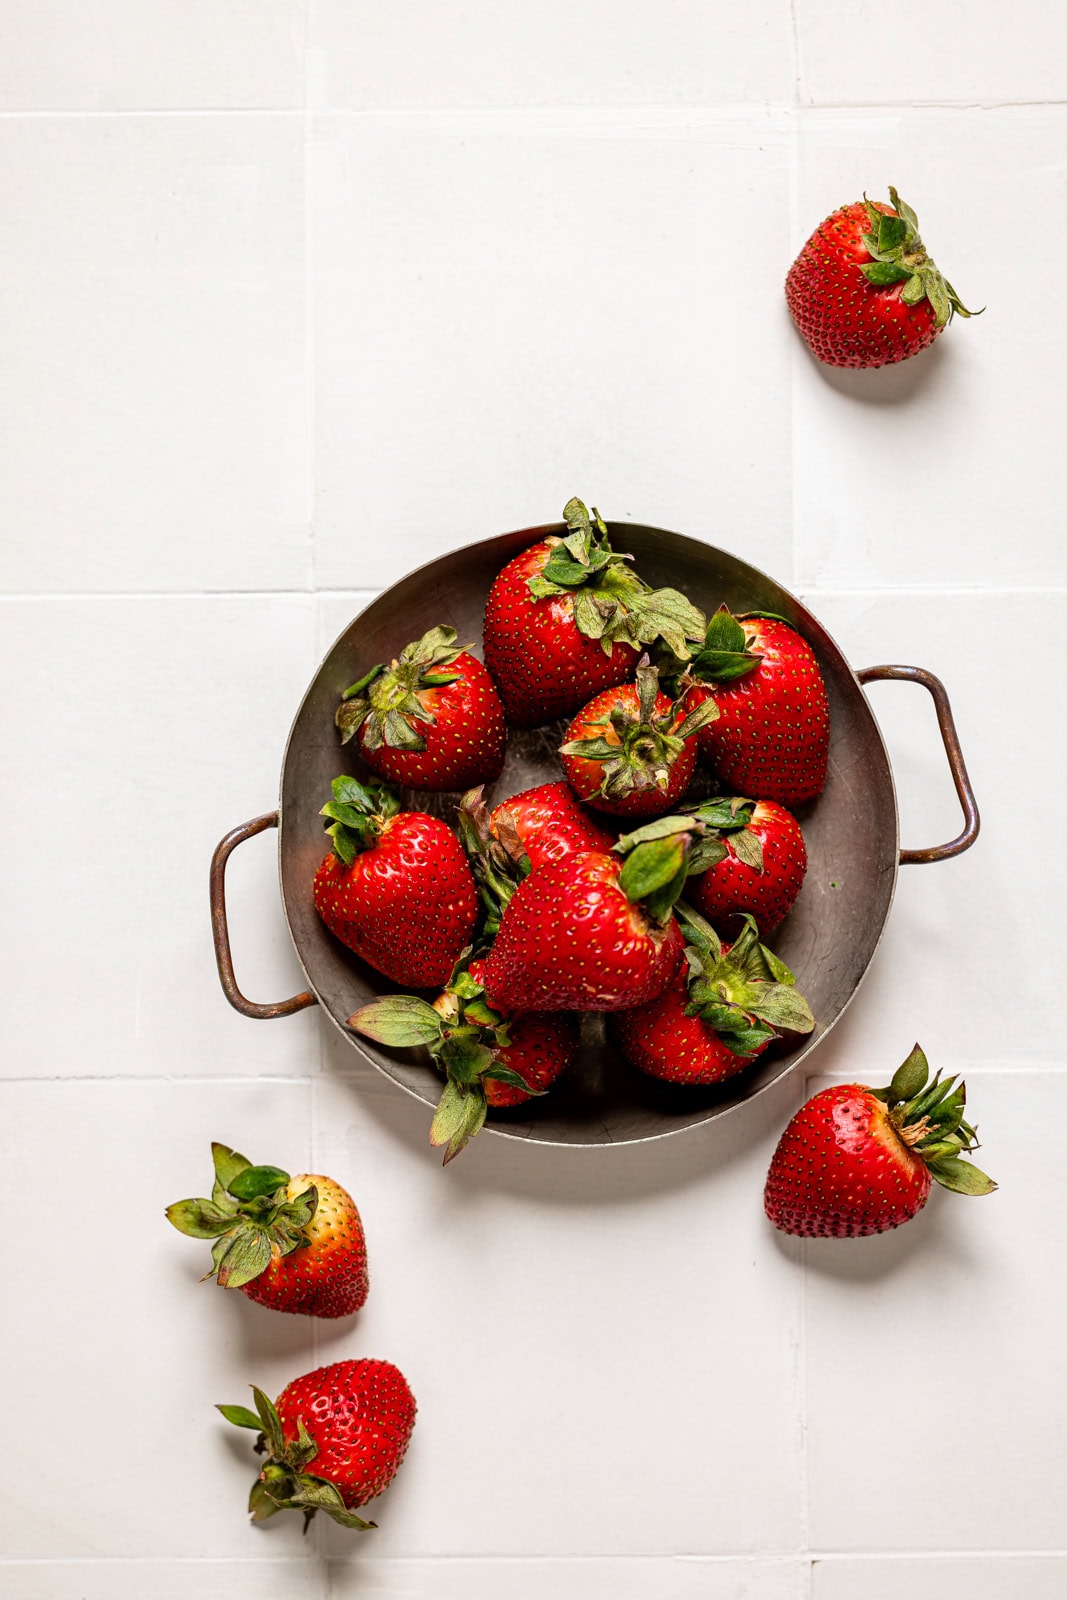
point(157, 435)
point(588, 52)
point(120, 55)
point(586, 1381)
point(981, 1578)
point(850, 52)
point(936, 471)
point(142, 731)
point(621, 1578)
point(951, 1321)
point(540, 324)
point(166, 1580)
point(132, 1350)
point(937, 975)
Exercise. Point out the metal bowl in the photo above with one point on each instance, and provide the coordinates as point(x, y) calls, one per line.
point(828, 939)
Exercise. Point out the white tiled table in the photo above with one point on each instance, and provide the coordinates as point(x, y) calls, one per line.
point(297, 294)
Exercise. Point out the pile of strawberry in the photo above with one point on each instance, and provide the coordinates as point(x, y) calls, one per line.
point(609, 890)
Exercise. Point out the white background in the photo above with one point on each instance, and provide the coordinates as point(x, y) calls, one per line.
point(296, 294)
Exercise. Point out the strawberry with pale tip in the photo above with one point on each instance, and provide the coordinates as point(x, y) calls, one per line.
point(332, 1440)
point(432, 719)
point(396, 887)
point(490, 1057)
point(569, 617)
point(631, 751)
point(855, 1161)
point(772, 735)
point(291, 1243)
point(863, 291)
point(723, 1007)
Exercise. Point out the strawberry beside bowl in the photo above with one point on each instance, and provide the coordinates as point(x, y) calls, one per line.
point(828, 939)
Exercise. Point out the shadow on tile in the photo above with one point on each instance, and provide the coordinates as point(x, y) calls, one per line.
point(887, 386)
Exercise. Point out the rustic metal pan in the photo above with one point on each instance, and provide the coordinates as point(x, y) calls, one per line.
point(828, 939)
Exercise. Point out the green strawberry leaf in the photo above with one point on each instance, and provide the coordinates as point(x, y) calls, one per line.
point(400, 1020)
point(200, 1219)
point(514, 1080)
point(261, 1503)
point(301, 1450)
point(464, 1058)
point(661, 828)
point(960, 1176)
point(883, 273)
point(653, 866)
point(748, 849)
point(460, 1114)
point(316, 1494)
point(247, 1256)
point(892, 231)
point(241, 1417)
point(910, 1078)
point(228, 1163)
point(253, 1182)
point(272, 1426)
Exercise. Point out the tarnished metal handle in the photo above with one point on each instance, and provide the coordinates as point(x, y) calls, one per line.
point(956, 765)
point(221, 934)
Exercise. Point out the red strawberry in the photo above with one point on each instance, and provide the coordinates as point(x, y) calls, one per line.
point(548, 824)
point(334, 1440)
point(431, 720)
point(292, 1244)
point(590, 932)
point(568, 617)
point(720, 1011)
point(855, 1161)
point(762, 866)
point(631, 751)
point(397, 888)
point(489, 1057)
point(772, 735)
point(864, 293)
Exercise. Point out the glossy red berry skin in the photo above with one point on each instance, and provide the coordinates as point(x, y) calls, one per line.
point(360, 1414)
point(772, 735)
point(733, 886)
point(844, 320)
point(662, 1041)
point(542, 1047)
point(542, 664)
point(840, 1170)
point(551, 823)
point(407, 905)
point(586, 777)
point(464, 743)
point(327, 1277)
point(570, 940)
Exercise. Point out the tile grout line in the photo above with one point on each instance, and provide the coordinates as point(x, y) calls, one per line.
point(311, 452)
point(735, 110)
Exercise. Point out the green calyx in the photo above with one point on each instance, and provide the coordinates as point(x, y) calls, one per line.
point(645, 746)
point(284, 1483)
point(464, 1035)
point(698, 838)
point(656, 866)
point(385, 702)
point(611, 603)
point(498, 861)
point(747, 995)
point(357, 813)
point(249, 1216)
point(726, 653)
point(927, 1115)
point(898, 255)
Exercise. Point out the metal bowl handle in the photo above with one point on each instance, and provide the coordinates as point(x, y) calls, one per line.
point(956, 765)
point(221, 934)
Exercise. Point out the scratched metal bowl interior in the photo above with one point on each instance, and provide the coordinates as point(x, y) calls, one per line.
point(828, 939)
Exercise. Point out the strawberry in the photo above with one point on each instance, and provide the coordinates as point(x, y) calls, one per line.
point(432, 719)
point(864, 293)
point(568, 617)
point(490, 1057)
point(631, 751)
point(761, 867)
point(723, 1007)
point(292, 1244)
point(856, 1161)
point(546, 824)
point(396, 888)
point(772, 734)
point(590, 932)
point(333, 1440)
